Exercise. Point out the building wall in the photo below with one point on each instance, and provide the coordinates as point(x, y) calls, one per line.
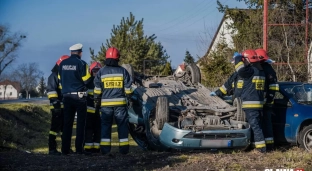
point(10, 92)
point(223, 32)
point(179, 69)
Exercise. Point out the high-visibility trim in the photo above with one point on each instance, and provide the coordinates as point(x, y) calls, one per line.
point(90, 109)
point(260, 144)
point(58, 76)
point(274, 87)
point(113, 102)
point(109, 77)
point(87, 147)
point(233, 84)
point(259, 82)
point(252, 104)
point(62, 105)
point(52, 94)
point(239, 66)
point(97, 90)
point(88, 75)
point(60, 86)
point(240, 84)
point(123, 141)
point(96, 145)
point(269, 140)
point(53, 133)
point(90, 92)
point(128, 90)
point(51, 107)
point(105, 141)
point(223, 89)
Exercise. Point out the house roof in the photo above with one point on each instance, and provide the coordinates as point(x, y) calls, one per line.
point(15, 84)
point(182, 66)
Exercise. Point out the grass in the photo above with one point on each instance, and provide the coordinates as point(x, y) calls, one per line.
point(26, 127)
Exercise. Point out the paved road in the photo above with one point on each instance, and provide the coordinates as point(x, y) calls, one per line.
point(43, 100)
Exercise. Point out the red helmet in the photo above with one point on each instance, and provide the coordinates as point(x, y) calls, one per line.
point(95, 66)
point(62, 58)
point(262, 55)
point(112, 53)
point(251, 55)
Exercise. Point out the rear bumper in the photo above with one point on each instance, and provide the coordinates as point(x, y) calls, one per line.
point(172, 137)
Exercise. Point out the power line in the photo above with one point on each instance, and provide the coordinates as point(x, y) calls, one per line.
point(191, 16)
point(182, 15)
point(197, 20)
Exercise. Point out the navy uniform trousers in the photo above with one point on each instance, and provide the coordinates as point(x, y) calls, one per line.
point(121, 117)
point(73, 104)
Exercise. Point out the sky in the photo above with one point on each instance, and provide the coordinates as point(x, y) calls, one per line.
point(52, 26)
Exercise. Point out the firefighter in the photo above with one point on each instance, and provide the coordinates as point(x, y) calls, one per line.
point(74, 76)
point(271, 87)
point(233, 86)
point(253, 93)
point(56, 105)
point(112, 87)
point(93, 122)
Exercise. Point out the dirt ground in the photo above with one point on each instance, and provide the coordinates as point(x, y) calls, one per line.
point(146, 160)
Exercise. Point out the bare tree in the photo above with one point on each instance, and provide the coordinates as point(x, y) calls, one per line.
point(9, 44)
point(28, 75)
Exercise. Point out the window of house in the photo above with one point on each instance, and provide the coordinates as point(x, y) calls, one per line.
point(10, 93)
point(0, 93)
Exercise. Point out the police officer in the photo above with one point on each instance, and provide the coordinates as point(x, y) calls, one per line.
point(271, 87)
point(113, 82)
point(253, 93)
point(74, 75)
point(93, 123)
point(54, 94)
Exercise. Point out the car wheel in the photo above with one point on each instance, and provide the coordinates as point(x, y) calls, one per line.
point(130, 69)
point(193, 72)
point(305, 140)
point(240, 115)
point(162, 112)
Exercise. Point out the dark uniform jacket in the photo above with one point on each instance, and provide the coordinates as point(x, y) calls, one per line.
point(74, 74)
point(233, 86)
point(113, 83)
point(271, 85)
point(254, 83)
point(54, 89)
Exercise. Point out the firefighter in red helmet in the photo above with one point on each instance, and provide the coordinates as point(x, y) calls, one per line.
point(112, 87)
point(271, 87)
point(93, 121)
point(54, 94)
point(248, 67)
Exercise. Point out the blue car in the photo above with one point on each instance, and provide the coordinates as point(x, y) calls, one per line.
point(292, 114)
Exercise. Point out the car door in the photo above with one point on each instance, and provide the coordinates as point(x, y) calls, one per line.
point(281, 123)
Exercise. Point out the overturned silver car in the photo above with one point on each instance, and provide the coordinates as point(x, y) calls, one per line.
point(177, 112)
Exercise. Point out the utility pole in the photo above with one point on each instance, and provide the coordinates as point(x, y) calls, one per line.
point(265, 25)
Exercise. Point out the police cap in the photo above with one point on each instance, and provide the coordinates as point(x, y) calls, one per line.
point(76, 47)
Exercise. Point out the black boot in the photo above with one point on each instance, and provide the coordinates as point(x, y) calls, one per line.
point(53, 145)
point(262, 150)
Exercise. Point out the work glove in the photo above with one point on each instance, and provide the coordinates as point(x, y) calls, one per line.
point(57, 105)
point(97, 102)
point(236, 54)
point(213, 93)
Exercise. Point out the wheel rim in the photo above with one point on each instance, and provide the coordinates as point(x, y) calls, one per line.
point(308, 140)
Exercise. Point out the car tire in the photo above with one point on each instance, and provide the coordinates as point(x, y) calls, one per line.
point(130, 69)
point(194, 71)
point(240, 114)
point(162, 112)
point(305, 138)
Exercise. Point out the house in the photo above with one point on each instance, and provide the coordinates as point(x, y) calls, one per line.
point(180, 69)
point(223, 33)
point(9, 89)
